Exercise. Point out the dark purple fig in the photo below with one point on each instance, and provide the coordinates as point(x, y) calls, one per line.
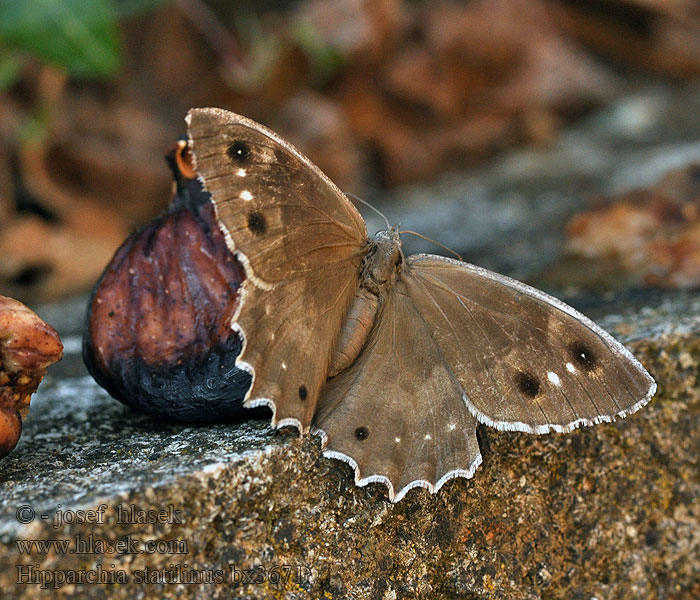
point(158, 335)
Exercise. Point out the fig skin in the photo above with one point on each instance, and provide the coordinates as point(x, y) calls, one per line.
point(158, 334)
point(10, 430)
point(28, 346)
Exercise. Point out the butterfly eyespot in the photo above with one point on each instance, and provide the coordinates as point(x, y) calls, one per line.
point(238, 152)
point(257, 223)
point(583, 356)
point(528, 384)
point(361, 433)
point(303, 393)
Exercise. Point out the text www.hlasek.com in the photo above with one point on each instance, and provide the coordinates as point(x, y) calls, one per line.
point(91, 545)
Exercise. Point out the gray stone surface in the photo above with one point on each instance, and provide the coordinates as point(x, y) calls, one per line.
point(606, 512)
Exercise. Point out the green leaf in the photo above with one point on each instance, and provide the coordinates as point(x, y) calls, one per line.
point(10, 65)
point(325, 60)
point(79, 35)
point(34, 128)
point(135, 7)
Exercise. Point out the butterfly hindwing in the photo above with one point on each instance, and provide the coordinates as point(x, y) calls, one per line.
point(525, 360)
point(398, 415)
point(301, 242)
point(291, 335)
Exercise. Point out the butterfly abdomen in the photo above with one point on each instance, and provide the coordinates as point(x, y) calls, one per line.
point(380, 268)
point(358, 323)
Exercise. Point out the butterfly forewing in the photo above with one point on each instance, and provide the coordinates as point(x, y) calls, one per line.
point(275, 207)
point(302, 243)
point(398, 415)
point(525, 360)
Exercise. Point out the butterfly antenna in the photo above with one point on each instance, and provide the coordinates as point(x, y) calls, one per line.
point(420, 235)
point(381, 214)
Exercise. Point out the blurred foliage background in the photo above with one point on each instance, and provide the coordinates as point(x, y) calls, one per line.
point(378, 93)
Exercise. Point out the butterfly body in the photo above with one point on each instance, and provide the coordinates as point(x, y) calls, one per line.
point(392, 360)
point(381, 267)
point(382, 263)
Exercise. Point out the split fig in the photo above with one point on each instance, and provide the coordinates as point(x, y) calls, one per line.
point(28, 346)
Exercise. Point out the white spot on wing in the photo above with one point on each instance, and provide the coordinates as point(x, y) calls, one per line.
point(397, 440)
point(570, 368)
point(245, 195)
point(554, 378)
point(452, 426)
point(241, 173)
point(428, 436)
point(284, 366)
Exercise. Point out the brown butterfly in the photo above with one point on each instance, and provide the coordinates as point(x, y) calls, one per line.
point(391, 359)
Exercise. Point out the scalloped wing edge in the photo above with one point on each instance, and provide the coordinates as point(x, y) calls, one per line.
point(549, 428)
point(395, 496)
point(249, 402)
